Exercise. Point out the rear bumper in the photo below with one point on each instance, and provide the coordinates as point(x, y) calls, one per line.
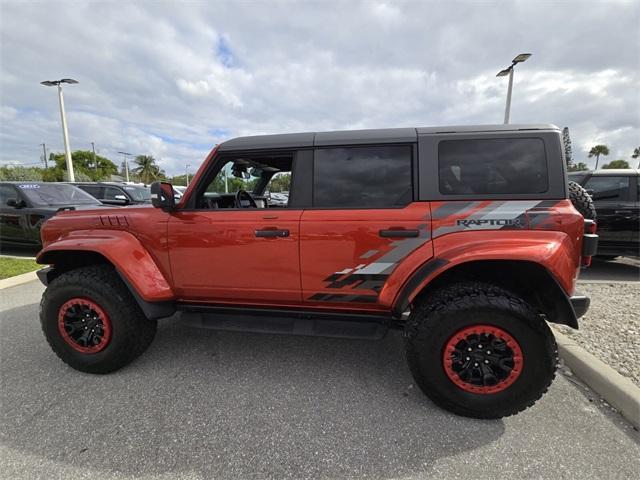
point(580, 304)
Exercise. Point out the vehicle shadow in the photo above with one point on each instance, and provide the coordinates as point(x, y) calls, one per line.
point(622, 270)
point(214, 404)
point(19, 251)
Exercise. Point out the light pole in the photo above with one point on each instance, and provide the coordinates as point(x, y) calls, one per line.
point(65, 133)
point(186, 167)
point(44, 155)
point(509, 71)
point(126, 164)
point(95, 162)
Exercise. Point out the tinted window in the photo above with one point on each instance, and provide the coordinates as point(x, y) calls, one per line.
point(492, 166)
point(114, 193)
point(93, 190)
point(608, 188)
point(56, 194)
point(362, 177)
point(7, 192)
point(140, 194)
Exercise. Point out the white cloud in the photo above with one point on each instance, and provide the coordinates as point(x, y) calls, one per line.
point(173, 79)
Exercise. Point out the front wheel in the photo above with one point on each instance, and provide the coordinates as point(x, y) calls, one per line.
point(479, 351)
point(92, 322)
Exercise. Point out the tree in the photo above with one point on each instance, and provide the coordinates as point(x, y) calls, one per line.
point(597, 151)
point(147, 170)
point(566, 140)
point(617, 164)
point(83, 165)
point(578, 168)
point(636, 154)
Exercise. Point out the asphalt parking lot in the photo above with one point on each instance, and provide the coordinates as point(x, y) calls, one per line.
point(203, 404)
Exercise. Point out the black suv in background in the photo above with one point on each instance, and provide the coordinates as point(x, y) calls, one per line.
point(114, 193)
point(616, 196)
point(24, 206)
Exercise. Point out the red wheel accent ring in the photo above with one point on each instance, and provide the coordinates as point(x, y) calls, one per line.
point(482, 359)
point(84, 325)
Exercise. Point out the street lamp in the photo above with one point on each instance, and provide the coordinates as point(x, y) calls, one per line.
point(126, 163)
point(509, 71)
point(65, 133)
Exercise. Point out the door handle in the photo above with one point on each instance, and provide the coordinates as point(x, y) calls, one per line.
point(272, 233)
point(398, 233)
point(622, 212)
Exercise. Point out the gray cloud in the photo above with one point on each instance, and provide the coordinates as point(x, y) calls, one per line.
point(172, 79)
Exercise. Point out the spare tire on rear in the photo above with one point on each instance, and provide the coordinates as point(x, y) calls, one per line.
point(582, 201)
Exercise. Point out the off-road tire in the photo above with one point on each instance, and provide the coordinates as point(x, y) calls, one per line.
point(582, 201)
point(131, 331)
point(437, 317)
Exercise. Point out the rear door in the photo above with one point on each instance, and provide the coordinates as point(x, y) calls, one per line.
point(614, 208)
point(362, 223)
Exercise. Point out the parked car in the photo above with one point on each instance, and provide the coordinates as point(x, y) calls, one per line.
point(24, 206)
point(463, 237)
point(115, 193)
point(278, 199)
point(616, 197)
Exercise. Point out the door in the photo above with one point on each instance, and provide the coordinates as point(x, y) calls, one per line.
point(12, 218)
point(362, 224)
point(227, 247)
point(614, 209)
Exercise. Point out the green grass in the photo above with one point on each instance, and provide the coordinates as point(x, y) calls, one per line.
point(10, 267)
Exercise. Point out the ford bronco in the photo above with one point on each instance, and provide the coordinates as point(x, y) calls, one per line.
point(463, 237)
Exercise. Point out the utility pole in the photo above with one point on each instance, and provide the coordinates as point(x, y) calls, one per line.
point(65, 132)
point(44, 155)
point(95, 162)
point(126, 164)
point(509, 71)
point(187, 170)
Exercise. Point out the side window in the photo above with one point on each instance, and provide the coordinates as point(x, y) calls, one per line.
point(362, 177)
point(492, 166)
point(113, 193)
point(7, 192)
point(93, 190)
point(608, 188)
point(265, 178)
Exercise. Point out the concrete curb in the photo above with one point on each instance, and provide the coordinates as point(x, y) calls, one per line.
point(18, 280)
point(618, 391)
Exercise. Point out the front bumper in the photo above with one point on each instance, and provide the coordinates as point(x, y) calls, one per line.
point(580, 304)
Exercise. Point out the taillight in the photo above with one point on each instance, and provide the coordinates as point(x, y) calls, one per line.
point(589, 242)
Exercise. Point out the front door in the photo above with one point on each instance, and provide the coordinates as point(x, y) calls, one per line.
point(235, 248)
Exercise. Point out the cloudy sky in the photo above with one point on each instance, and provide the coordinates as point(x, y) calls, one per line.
point(173, 79)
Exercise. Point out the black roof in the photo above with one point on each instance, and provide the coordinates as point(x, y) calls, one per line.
point(351, 137)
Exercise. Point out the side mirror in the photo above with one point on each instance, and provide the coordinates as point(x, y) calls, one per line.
point(15, 203)
point(121, 199)
point(162, 195)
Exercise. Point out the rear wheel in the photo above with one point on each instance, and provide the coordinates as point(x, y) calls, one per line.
point(479, 351)
point(92, 322)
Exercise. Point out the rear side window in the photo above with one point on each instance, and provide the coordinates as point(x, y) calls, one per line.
point(362, 177)
point(492, 166)
point(608, 188)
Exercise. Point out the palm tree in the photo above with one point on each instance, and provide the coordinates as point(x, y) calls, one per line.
point(597, 151)
point(636, 154)
point(147, 168)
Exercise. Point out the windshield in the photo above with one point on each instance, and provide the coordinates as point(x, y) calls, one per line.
point(140, 194)
point(56, 194)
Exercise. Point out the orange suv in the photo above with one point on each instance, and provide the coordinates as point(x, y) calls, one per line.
point(463, 237)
